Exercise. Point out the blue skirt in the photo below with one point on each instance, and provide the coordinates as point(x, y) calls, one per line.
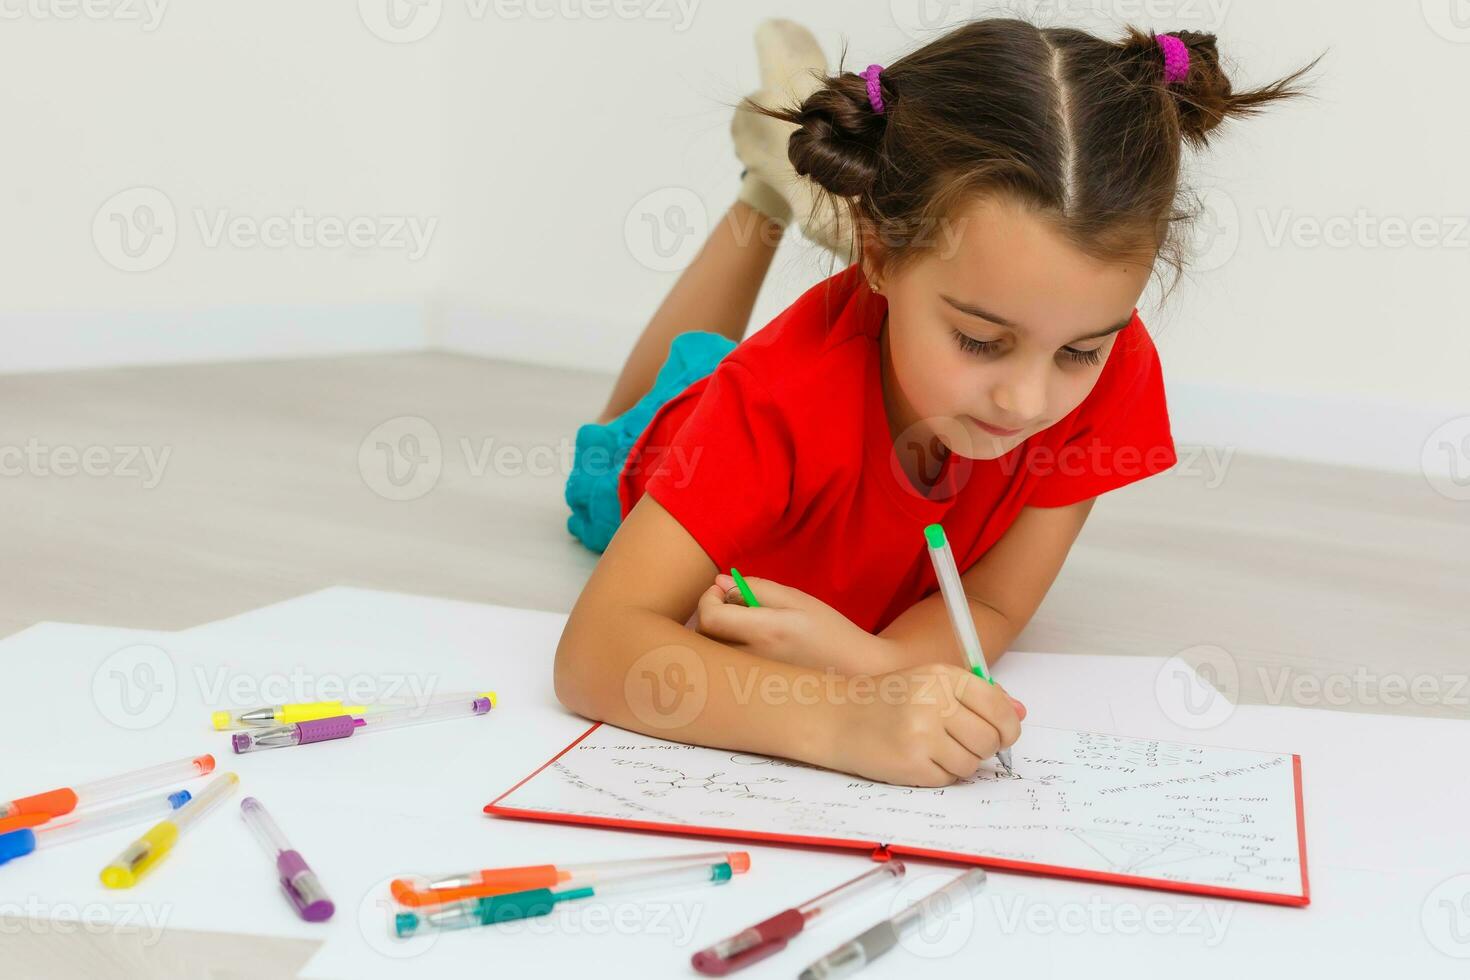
point(602, 449)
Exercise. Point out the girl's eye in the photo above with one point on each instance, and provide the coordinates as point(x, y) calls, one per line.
point(969, 344)
point(973, 346)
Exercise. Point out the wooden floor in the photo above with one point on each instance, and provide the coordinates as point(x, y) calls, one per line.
point(267, 492)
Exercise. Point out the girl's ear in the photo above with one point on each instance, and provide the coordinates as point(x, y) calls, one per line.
point(873, 256)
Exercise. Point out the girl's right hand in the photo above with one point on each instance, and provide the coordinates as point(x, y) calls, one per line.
point(921, 726)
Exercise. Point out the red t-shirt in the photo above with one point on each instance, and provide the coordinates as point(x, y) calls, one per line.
point(781, 462)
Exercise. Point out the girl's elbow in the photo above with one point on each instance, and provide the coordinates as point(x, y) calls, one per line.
point(572, 680)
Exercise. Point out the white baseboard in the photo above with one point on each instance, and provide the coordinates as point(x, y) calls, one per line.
point(74, 341)
point(1319, 428)
point(1334, 430)
point(533, 338)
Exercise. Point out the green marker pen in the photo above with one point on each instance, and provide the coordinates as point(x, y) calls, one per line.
point(745, 592)
point(953, 591)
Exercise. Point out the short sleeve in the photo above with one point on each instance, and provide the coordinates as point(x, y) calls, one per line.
point(726, 476)
point(1120, 433)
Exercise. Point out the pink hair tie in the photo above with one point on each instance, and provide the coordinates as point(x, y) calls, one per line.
point(1176, 58)
point(875, 93)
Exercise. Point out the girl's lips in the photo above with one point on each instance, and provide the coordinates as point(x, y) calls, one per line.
point(995, 430)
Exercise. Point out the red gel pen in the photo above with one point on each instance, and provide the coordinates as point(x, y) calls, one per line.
point(771, 935)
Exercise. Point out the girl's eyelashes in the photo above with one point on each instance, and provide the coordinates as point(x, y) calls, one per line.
point(1089, 357)
point(971, 345)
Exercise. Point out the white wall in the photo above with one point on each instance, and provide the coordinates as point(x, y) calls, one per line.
point(526, 146)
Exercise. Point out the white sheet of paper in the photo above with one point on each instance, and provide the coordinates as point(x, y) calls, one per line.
point(1384, 821)
point(1142, 809)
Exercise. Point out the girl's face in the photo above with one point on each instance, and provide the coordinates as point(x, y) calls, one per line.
point(999, 331)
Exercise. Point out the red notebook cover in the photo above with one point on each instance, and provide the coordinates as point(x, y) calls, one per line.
point(881, 850)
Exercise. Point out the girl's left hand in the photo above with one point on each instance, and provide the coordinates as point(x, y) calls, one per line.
point(789, 626)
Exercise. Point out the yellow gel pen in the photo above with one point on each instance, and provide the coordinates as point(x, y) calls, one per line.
point(271, 715)
point(143, 853)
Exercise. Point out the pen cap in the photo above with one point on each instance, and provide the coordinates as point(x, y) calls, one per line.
point(766, 939)
point(16, 844)
point(303, 889)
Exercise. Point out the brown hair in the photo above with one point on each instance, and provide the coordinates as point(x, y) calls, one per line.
point(1080, 129)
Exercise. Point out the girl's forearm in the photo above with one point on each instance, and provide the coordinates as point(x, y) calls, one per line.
point(923, 634)
point(639, 670)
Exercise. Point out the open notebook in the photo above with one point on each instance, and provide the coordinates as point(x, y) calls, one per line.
point(1169, 815)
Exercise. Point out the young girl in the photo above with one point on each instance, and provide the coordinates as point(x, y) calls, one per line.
point(981, 365)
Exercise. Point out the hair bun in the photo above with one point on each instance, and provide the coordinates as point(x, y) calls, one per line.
point(838, 136)
point(1205, 98)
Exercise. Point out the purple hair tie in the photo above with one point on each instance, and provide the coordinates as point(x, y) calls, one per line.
point(1176, 58)
point(875, 93)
